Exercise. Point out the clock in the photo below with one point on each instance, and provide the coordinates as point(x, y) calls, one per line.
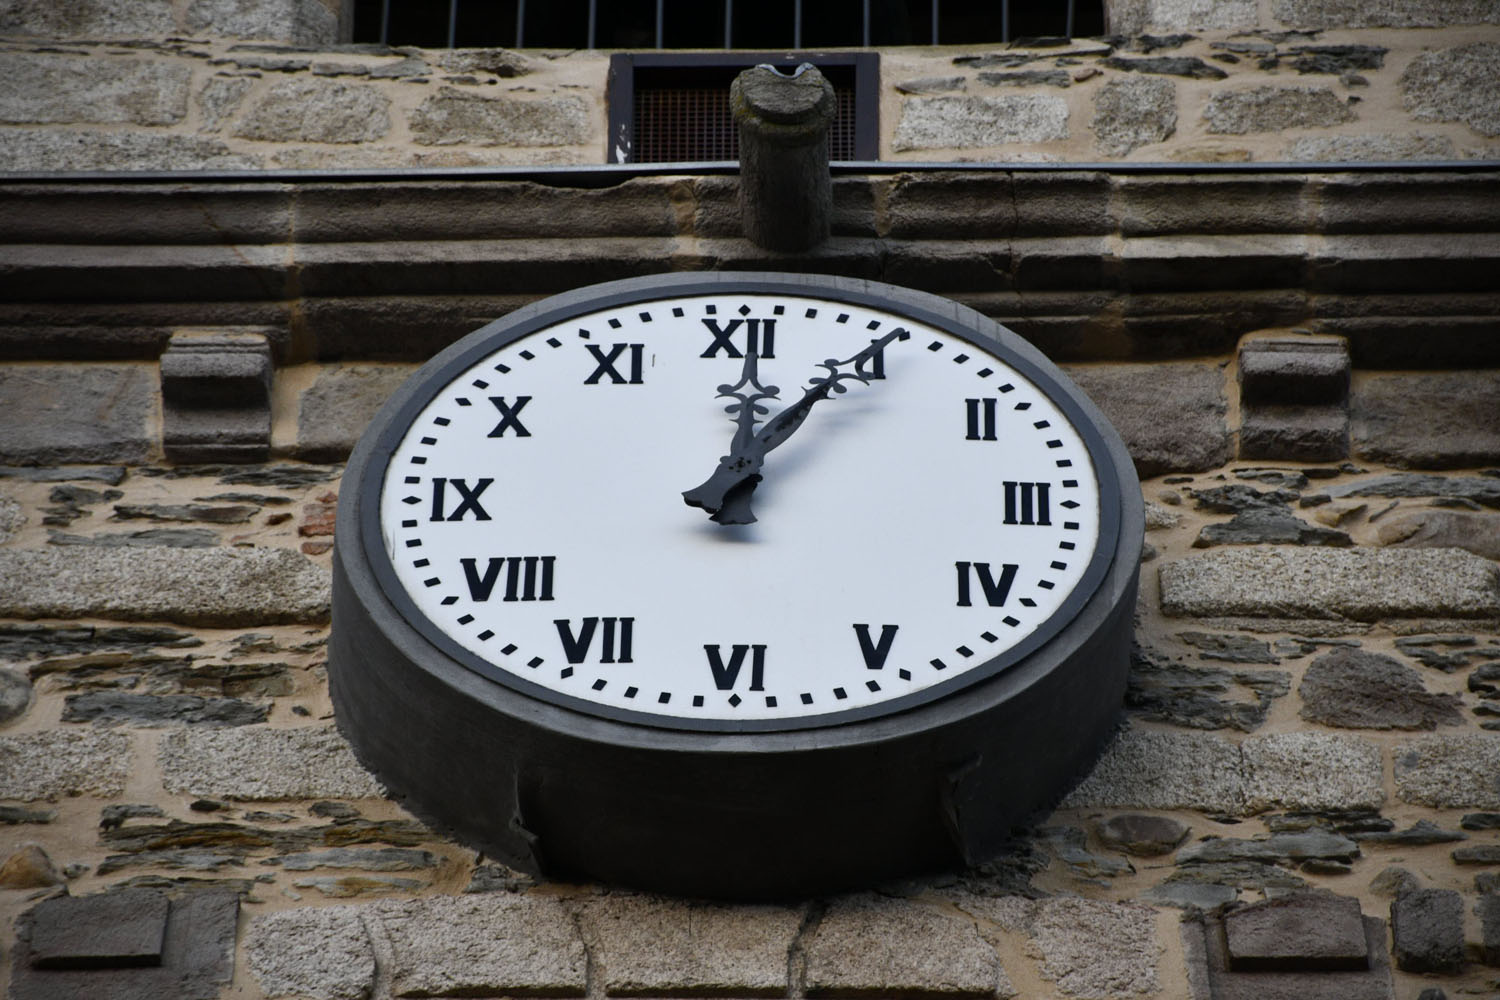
point(734, 585)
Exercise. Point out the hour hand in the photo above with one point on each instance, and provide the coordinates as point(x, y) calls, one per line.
point(726, 493)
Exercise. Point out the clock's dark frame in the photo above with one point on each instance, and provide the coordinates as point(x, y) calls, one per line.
point(732, 814)
point(394, 423)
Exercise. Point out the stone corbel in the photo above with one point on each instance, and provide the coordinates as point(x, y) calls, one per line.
point(1294, 398)
point(216, 396)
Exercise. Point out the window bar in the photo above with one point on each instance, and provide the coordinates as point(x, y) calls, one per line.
point(385, 22)
point(452, 23)
point(593, 20)
point(934, 22)
point(797, 25)
point(1005, 20)
point(866, 33)
point(520, 24)
point(1070, 18)
point(729, 24)
point(659, 23)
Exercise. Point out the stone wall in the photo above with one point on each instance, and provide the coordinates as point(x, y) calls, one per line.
point(220, 85)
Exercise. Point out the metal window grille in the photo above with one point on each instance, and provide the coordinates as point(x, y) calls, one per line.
point(704, 24)
point(694, 124)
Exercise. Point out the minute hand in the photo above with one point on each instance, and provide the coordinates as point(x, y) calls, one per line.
point(726, 493)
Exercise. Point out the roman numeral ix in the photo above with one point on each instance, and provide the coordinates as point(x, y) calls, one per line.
point(468, 499)
point(527, 578)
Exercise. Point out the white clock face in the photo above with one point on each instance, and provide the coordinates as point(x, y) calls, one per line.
point(922, 528)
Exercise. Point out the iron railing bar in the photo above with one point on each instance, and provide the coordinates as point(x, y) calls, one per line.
point(1069, 32)
point(520, 24)
point(452, 23)
point(797, 24)
point(866, 22)
point(934, 22)
point(729, 24)
point(385, 22)
point(659, 20)
point(593, 20)
point(1005, 20)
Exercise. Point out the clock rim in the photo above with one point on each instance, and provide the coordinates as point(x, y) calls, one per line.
point(393, 422)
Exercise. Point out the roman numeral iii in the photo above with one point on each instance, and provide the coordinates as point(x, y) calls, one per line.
point(527, 578)
point(1027, 503)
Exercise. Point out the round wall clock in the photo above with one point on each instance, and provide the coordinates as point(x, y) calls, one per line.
point(734, 585)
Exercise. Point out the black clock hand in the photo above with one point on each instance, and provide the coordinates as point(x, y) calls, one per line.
point(726, 493)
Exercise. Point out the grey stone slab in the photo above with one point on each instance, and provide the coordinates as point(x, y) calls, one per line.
point(1188, 66)
point(1165, 770)
point(317, 110)
point(77, 413)
point(1312, 771)
point(1139, 16)
point(1354, 689)
point(147, 710)
point(1488, 911)
point(975, 122)
point(1272, 109)
point(1211, 977)
point(458, 116)
point(87, 19)
point(1450, 771)
point(1455, 84)
point(111, 930)
point(253, 764)
point(316, 953)
point(340, 404)
point(1094, 948)
point(15, 695)
point(932, 85)
point(1141, 835)
point(223, 587)
point(1481, 491)
point(1322, 14)
point(1381, 147)
point(872, 944)
point(1427, 420)
point(1427, 930)
point(1133, 397)
point(1299, 931)
point(45, 88)
point(54, 763)
point(478, 945)
point(653, 946)
point(1186, 893)
point(1132, 113)
point(298, 22)
point(1443, 529)
point(374, 859)
point(1355, 584)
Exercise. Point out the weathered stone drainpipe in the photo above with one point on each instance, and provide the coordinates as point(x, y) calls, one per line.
point(786, 192)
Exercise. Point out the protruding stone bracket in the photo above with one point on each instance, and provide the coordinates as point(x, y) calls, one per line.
point(786, 191)
point(216, 395)
point(1311, 944)
point(1294, 398)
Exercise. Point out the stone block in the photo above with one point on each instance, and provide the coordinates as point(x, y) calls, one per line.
point(113, 930)
point(488, 945)
point(1367, 202)
point(340, 404)
point(1451, 771)
point(29, 867)
point(653, 946)
point(57, 414)
point(1056, 203)
point(1211, 976)
point(54, 763)
point(459, 116)
point(1164, 770)
point(46, 88)
point(874, 944)
point(87, 19)
point(15, 690)
point(210, 587)
point(1094, 948)
point(1170, 415)
point(1427, 929)
point(1488, 911)
point(1132, 17)
point(977, 122)
point(1141, 835)
point(1443, 529)
point(1354, 689)
point(130, 214)
point(1355, 584)
point(1273, 109)
point(255, 764)
point(296, 22)
point(1328, 14)
point(317, 953)
point(1308, 931)
point(1427, 420)
point(1132, 113)
point(195, 956)
point(1294, 434)
point(219, 98)
point(317, 110)
point(1375, 147)
point(1294, 370)
point(1311, 772)
point(1409, 262)
point(216, 396)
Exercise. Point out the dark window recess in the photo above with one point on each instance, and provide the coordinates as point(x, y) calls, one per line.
point(674, 108)
point(712, 24)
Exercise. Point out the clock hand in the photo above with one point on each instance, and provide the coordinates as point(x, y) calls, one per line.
point(726, 493)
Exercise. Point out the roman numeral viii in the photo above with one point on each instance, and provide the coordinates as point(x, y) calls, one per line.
point(614, 644)
point(725, 674)
point(527, 578)
point(995, 590)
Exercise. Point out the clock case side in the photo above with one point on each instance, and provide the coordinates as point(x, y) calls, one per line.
point(729, 815)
